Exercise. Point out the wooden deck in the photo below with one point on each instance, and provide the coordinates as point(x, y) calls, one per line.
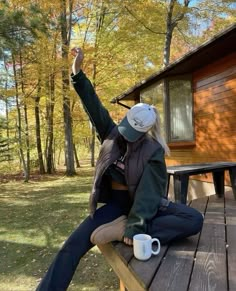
point(203, 262)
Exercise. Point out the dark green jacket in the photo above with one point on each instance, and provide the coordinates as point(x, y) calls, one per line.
point(145, 156)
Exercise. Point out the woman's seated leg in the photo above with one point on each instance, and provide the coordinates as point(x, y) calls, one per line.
point(175, 222)
point(62, 269)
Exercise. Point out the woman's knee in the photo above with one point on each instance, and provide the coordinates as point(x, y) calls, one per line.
point(192, 220)
point(197, 222)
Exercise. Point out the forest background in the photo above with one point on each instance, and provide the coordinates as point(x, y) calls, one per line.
point(42, 123)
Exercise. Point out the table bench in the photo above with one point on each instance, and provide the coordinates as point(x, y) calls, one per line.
point(206, 261)
point(181, 175)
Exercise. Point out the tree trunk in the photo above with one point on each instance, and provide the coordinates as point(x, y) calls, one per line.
point(76, 158)
point(59, 156)
point(8, 132)
point(92, 147)
point(171, 23)
point(19, 121)
point(70, 168)
point(50, 127)
point(27, 143)
point(169, 33)
point(100, 16)
point(7, 110)
point(38, 134)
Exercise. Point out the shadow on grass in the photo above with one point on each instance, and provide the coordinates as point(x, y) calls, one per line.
point(36, 218)
point(27, 260)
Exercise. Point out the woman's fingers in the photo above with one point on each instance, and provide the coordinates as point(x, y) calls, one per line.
point(128, 241)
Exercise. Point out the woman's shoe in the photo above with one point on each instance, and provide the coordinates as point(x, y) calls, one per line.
point(112, 231)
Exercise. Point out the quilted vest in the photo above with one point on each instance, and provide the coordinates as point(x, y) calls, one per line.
point(136, 158)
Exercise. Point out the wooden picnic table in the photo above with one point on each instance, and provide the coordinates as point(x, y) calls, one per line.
point(181, 174)
point(206, 261)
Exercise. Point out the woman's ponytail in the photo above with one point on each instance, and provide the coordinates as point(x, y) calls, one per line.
point(155, 132)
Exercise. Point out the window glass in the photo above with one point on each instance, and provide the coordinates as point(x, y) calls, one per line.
point(153, 95)
point(180, 103)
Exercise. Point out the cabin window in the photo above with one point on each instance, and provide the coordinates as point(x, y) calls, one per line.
point(173, 99)
point(179, 98)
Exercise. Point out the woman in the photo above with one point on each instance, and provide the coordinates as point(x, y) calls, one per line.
point(130, 179)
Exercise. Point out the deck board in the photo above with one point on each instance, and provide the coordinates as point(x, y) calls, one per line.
point(175, 272)
point(209, 272)
point(177, 266)
point(230, 210)
point(206, 261)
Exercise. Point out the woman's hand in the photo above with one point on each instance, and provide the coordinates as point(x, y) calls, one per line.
point(79, 56)
point(128, 241)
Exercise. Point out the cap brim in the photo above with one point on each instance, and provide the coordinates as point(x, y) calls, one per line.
point(128, 132)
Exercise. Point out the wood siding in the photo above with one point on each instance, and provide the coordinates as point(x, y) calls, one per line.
point(214, 101)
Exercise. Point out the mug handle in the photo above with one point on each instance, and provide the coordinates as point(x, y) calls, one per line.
point(159, 246)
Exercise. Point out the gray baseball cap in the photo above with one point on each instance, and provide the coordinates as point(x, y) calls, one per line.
point(138, 120)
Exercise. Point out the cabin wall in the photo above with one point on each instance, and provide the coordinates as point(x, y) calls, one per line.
point(214, 101)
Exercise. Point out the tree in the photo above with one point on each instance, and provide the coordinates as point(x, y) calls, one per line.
point(65, 37)
point(184, 22)
point(172, 21)
point(38, 130)
point(19, 123)
point(15, 35)
point(5, 151)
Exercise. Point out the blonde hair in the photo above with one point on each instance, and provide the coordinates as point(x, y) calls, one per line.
point(155, 132)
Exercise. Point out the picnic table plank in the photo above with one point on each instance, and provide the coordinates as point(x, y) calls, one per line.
point(176, 269)
point(210, 272)
point(199, 168)
point(230, 210)
point(181, 175)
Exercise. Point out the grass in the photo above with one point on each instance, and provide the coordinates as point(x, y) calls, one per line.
point(35, 219)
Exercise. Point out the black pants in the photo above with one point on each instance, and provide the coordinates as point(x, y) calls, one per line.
point(174, 222)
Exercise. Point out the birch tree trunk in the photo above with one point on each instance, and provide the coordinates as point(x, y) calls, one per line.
point(7, 109)
point(19, 122)
point(26, 123)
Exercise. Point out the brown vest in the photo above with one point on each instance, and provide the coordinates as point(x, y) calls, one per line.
point(137, 156)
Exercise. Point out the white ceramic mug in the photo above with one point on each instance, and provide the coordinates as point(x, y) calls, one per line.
point(142, 245)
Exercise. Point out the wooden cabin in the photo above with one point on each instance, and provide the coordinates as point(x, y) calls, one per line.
point(196, 97)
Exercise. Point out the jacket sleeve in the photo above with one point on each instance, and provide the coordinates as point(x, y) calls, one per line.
point(98, 114)
point(151, 188)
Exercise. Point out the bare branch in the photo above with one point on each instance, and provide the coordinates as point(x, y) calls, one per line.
point(141, 22)
point(184, 36)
